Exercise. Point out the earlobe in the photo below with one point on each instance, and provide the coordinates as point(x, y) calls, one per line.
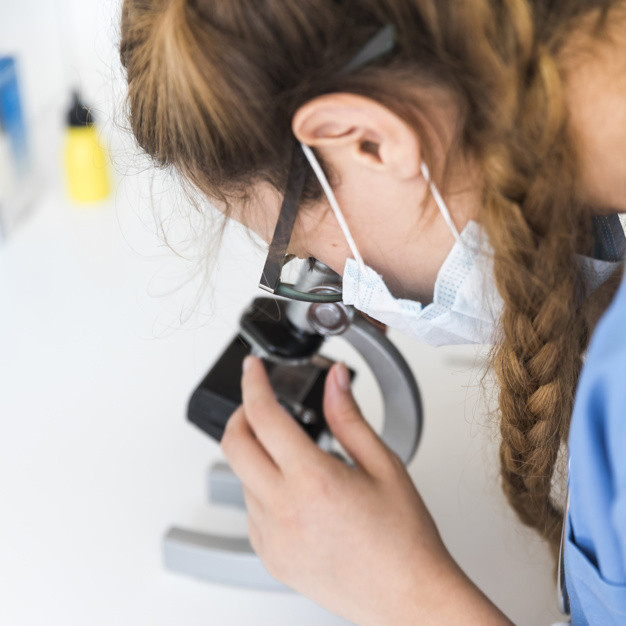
point(372, 135)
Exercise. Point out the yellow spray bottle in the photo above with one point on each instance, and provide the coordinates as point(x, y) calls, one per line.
point(86, 167)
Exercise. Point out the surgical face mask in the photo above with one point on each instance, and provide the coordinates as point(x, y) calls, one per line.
point(466, 304)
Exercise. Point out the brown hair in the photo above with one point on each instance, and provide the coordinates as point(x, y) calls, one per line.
point(213, 87)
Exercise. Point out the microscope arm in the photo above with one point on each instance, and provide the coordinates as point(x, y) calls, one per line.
point(402, 424)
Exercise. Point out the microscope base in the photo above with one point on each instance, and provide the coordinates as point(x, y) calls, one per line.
point(213, 558)
point(222, 560)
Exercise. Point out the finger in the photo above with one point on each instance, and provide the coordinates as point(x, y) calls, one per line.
point(247, 458)
point(279, 433)
point(254, 506)
point(255, 537)
point(348, 425)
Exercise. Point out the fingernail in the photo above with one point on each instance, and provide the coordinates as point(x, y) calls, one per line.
point(247, 362)
point(343, 377)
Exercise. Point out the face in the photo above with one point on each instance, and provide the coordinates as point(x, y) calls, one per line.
point(385, 200)
point(404, 242)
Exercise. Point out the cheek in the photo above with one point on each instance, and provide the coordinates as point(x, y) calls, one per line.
point(433, 255)
point(410, 267)
point(323, 240)
point(331, 253)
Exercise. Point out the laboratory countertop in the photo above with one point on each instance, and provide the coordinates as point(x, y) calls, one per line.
point(102, 339)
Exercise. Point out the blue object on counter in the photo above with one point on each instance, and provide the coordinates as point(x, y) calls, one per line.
point(12, 116)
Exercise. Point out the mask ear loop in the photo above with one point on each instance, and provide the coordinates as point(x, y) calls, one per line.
point(319, 172)
point(443, 208)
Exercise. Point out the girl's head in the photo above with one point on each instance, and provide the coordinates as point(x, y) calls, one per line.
point(220, 90)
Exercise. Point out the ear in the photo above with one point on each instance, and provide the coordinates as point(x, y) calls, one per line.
point(370, 133)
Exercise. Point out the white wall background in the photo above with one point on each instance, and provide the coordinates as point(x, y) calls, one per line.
point(96, 458)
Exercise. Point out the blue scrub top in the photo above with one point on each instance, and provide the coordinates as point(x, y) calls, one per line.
point(595, 532)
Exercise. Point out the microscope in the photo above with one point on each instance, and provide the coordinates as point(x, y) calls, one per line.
point(289, 336)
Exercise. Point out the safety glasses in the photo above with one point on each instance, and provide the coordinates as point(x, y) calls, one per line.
point(382, 43)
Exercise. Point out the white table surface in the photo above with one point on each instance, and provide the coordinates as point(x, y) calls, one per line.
point(97, 459)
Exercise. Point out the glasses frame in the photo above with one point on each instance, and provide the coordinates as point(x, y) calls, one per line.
point(380, 44)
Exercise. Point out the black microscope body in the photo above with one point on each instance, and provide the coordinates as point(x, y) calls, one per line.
point(296, 371)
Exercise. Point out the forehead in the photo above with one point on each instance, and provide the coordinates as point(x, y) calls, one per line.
point(256, 209)
point(259, 211)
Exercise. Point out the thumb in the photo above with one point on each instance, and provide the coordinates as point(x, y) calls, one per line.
point(347, 424)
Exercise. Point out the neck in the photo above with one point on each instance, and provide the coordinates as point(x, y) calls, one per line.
point(594, 69)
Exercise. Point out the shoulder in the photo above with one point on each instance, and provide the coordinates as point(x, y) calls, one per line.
point(595, 542)
point(601, 396)
point(608, 343)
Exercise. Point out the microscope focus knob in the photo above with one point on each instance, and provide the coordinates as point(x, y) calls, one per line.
point(328, 318)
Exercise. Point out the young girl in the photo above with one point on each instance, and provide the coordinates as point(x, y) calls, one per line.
point(482, 138)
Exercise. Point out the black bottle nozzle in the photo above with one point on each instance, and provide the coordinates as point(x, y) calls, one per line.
point(79, 114)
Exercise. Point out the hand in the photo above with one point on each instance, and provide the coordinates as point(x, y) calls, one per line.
point(357, 540)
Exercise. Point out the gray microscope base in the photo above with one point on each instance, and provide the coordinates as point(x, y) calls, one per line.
point(213, 558)
point(223, 560)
